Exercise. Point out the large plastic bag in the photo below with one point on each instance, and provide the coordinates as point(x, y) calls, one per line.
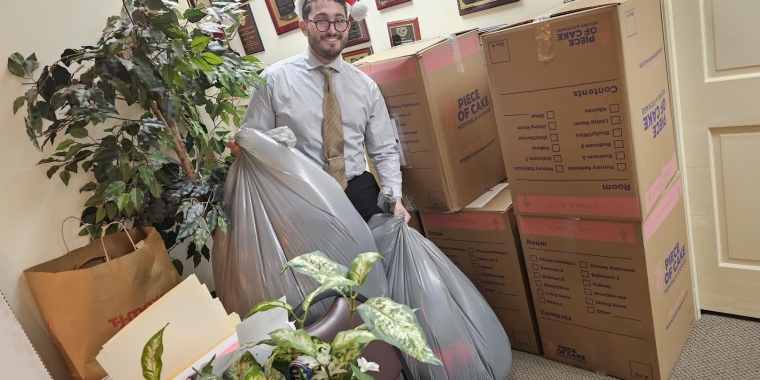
point(459, 325)
point(281, 205)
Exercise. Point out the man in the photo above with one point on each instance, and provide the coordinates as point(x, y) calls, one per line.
point(334, 109)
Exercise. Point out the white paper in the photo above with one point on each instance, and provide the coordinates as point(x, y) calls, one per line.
point(488, 196)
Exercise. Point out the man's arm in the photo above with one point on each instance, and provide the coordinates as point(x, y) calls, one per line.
point(260, 113)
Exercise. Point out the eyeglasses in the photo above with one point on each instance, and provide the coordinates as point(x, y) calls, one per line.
point(324, 25)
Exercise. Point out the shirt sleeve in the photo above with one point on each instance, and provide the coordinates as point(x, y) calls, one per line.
point(380, 141)
point(260, 113)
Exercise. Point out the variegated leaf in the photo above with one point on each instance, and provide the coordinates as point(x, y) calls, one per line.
point(362, 265)
point(298, 339)
point(351, 338)
point(254, 373)
point(358, 374)
point(269, 305)
point(277, 363)
point(240, 369)
point(397, 325)
point(331, 281)
point(316, 265)
point(151, 356)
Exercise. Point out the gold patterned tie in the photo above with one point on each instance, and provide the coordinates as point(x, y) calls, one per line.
point(332, 131)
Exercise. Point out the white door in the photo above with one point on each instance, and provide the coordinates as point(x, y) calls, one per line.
point(715, 59)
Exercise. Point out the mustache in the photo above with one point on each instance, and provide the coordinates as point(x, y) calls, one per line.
point(336, 35)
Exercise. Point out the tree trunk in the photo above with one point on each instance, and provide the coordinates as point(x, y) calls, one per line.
point(171, 126)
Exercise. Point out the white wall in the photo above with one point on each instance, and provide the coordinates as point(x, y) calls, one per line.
point(436, 17)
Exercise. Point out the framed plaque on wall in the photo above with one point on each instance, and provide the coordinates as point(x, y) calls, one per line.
point(404, 31)
point(249, 33)
point(471, 6)
point(382, 4)
point(357, 33)
point(283, 13)
point(357, 55)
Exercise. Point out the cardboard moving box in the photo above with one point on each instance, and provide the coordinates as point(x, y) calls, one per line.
point(437, 91)
point(484, 243)
point(583, 108)
point(614, 297)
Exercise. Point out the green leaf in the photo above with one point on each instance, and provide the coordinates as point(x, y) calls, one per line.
point(46, 110)
point(194, 15)
point(222, 222)
point(362, 265)
point(52, 170)
point(208, 368)
point(122, 200)
point(155, 189)
point(315, 265)
point(168, 108)
point(151, 356)
point(255, 373)
point(197, 259)
point(188, 228)
point(73, 151)
point(159, 157)
point(211, 221)
point(298, 339)
point(126, 169)
point(397, 325)
point(156, 5)
point(359, 374)
point(152, 123)
point(65, 144)
point(111, 210)
point(351, 338)
point(178, 266)
point(16, 68)
point(242, 366)
point(269, 305)
point(18, 103)
point(164, 178)
point(72, 167)
point(206, 253)
point(58, 100)
point(100, 214)
point(136, 196)
point(200, 237)
point(146, 175)
point(89, 187)
point(31, 64)
point(332, 281)
point(199, 43)
point(95, 200)
point(194, 212)
point(65, 176)
point(114, 189)
point(17, 58)
point(79, 133)
point(251, 59)
point(212, 58)
point(130, 210)
point(201, 64)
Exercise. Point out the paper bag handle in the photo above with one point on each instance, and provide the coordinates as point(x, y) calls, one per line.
point(105, 253)
point(103, 242)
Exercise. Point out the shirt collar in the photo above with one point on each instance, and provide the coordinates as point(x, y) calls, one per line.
point(312, 62)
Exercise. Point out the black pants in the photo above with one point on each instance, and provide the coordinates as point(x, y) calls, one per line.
point(363, 191)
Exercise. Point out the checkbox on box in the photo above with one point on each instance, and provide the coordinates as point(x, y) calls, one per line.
point(533, 258)
point(590, 309)
point(538, 283)
point(470, 250)
point(541, 300)
point(477, 273)
point(586, 282)
point(540, 292)
point(550, 114)
point(473, 258)
point(475, 266)
point(619, 144)
point(584, 264)
point(588, 291)
point(620, 155)
point(559, 168)
point(590, 301)
point(557, 158)
point(584, 273)
point(614, 108)
point(535, 266)
point(536, 275)
point(479, 281)
point(554, 137)
point(622, 167)
point(617, 132)
point(552, 126)
point(616, 120)
point(555, 148)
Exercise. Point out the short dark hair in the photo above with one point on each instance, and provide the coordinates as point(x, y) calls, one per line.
point(307, 7)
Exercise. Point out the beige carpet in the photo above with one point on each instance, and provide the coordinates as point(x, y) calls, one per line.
point(719, 348)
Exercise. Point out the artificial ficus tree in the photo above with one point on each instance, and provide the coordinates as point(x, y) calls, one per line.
point(165, 167)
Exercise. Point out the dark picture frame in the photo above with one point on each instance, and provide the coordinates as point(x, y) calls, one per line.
point(471, 6)
point(382, 4)
point(353, 56)
point(283, 14)
point(357, 33)
point(404, 31)
point(249, 34)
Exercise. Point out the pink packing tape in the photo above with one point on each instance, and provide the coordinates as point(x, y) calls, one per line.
point(621, 207)
point(663, 209)
point(390, 71)
point(654, 192)
point(463, 220)
point(618, 232)
point(447, 54)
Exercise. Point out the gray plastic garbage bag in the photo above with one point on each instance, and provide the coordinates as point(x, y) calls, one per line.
point(281, 205)
point(459, 325)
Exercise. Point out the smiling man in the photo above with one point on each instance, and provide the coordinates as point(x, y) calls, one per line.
point(334, 109)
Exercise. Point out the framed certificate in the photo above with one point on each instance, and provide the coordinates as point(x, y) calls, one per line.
point(357, 55)
point(382, 4)
point(471, 6)
point(249, 33)
point(358, 33)
point(404, 31)
point(283, 13)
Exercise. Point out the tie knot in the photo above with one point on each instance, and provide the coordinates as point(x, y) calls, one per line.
point(326, 71)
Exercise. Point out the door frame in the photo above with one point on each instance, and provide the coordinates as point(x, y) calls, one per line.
point(675, 90)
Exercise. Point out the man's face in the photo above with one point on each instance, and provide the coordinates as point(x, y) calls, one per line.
point(329, 44)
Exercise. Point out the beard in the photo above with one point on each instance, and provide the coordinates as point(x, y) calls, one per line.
point(326, 48)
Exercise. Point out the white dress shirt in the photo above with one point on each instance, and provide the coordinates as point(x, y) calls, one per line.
point(293, 98)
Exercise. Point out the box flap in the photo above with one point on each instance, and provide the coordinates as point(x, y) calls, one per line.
point(567, 8)
point(405, 50)
point(498, 199)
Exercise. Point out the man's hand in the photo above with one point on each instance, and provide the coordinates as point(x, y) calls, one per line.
point(234, 148)
point(399, 210)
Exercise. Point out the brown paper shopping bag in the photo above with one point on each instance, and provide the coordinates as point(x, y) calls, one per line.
point(86, 296)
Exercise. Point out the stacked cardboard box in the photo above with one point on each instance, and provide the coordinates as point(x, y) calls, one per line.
point(437, 93)
point(483, 241)
point(583, 109)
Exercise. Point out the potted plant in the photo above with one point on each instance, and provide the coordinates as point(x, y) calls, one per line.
point(300, 355)
point(145, 113)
